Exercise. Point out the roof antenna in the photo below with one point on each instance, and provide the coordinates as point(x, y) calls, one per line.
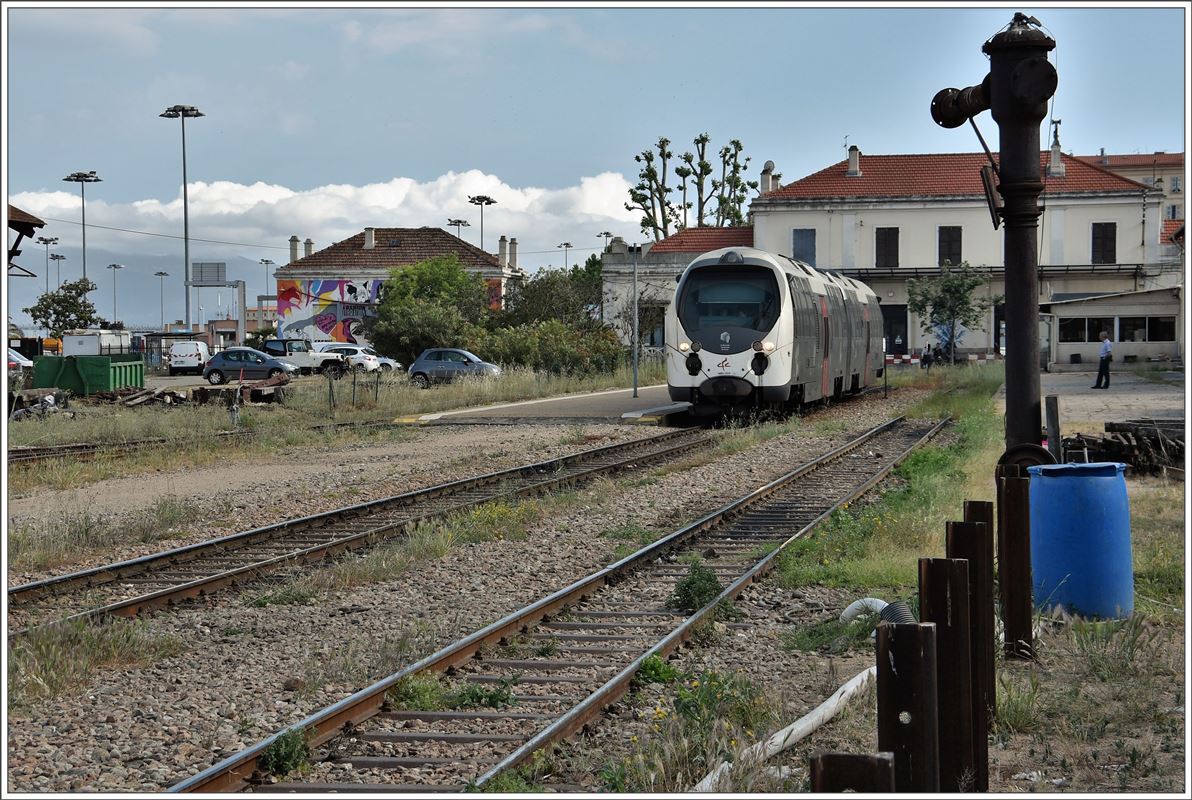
point(846, 143)
point(1055, 124)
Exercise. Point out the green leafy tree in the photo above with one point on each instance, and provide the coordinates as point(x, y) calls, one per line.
point(571, 296)
point(651, 194)
point(403, 328)
point(946, 303)
point(441, 281)
point(65, 309)
point(732, 189)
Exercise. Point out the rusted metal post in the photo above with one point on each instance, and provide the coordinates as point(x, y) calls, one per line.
point(973, 540)
point(944, 600)
point(1014, 566)
point(907, 711)
point(852, 772)
point(1016, 90)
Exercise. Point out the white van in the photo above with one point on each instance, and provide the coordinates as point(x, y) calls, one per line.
point(188, 357)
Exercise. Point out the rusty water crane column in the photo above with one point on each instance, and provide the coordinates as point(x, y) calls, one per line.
point(1020, 82)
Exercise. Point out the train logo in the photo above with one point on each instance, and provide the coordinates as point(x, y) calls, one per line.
point(725, 338)
point(725, 364)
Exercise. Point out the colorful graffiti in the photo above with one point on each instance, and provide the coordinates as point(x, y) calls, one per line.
point(326, 309)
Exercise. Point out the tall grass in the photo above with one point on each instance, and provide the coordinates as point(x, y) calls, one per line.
point(60, 659)
point(878, 545)
point(69, 533)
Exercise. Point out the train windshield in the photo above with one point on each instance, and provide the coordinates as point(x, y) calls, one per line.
point(718, 298)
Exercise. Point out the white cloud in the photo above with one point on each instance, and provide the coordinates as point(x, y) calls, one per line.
point(268, 214)
point(123, 30)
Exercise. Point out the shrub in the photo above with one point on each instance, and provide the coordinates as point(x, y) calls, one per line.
point(696, 590)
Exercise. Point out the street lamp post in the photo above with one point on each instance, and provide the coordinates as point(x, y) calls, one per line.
point(58, 258)
point(161, 289)
point(266, 263)
point(47, 241)
point(113, 268)
point(636, 249)
point(566, 248)
point(607, 235)
point(182, 112)
point(458, 223)
point(481, 200)
point(82, 179)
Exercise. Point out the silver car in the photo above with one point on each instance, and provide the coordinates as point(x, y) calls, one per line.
point(443, 364)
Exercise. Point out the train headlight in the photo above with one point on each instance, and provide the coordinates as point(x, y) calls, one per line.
point(768, 347)
point(695, 347)
point(758, 345)
point(693, 364)
point(684, 347)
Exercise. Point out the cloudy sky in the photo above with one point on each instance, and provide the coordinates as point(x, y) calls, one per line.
point(323, 120)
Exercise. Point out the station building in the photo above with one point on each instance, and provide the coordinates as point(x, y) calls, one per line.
point(327, 294)
point(888, 218)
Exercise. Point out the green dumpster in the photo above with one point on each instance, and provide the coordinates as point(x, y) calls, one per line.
point(85, 375)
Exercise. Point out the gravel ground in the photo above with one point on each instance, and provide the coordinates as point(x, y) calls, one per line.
point(249, 671)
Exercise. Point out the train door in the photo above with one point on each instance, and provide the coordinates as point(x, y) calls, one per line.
point(826, 338)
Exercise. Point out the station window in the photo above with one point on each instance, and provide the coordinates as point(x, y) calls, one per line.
point(1072, 329)
point(803, 245)
point(1098, 324)
point(949, 245)
point(885, 247)
point(1104, 243)
point(1132, 329)
point(1160, 329)
point(1175, 184)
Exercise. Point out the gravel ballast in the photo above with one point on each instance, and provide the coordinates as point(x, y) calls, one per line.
point(247, 672)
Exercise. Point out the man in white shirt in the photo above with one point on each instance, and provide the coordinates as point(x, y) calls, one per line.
point(1106, 355)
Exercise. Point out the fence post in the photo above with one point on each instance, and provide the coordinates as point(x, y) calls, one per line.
point(354, 374)
point(907, 715)
point(852, 772)
point(973, 540)
point(944, 600)
point(330, 394)
point(377, 387)
point(1014, 563)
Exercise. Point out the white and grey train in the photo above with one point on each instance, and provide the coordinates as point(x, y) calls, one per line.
point(752, 329)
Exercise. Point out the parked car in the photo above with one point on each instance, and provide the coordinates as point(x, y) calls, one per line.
point(302, 353)
point(188, 357)
point(233, 362)
point(443, 364)
point(387, 364)
point(355, 355)
point(18, 365)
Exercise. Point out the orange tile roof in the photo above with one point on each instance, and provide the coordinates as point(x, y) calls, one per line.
point(701, 240)
point(394, 247)
point(939, 175)
point(1170, 227)
point(1137, 160)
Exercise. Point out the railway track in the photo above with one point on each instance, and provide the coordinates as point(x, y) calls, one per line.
point(565, 657)
point(82, 450)
point(126, 588)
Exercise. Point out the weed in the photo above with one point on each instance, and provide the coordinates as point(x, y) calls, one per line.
point(655, 669)
point(513, 780)
point(1017, 710)
point(294, 594)
point(833, 636)
point(474, 695)
point(417, 693)
point(60, 659)
point(547, 648)
point(1109, 648)
point(288, 752)
point(694, 591)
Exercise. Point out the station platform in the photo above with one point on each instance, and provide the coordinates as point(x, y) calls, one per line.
point(652, 406)
point(1129, 396)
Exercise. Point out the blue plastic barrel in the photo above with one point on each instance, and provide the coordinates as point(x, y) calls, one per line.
point(1080, 539)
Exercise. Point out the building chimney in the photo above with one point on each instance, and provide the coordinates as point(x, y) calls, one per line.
point(513, 253)
point(308, 247)
point(854, 162)
point(1055, 168)
point(1104, 158)
point(293, 249)
point(370, 238)
point(502, 252)
point(767, 181)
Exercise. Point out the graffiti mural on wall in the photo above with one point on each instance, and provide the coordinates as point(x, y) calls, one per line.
point(326, 309)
